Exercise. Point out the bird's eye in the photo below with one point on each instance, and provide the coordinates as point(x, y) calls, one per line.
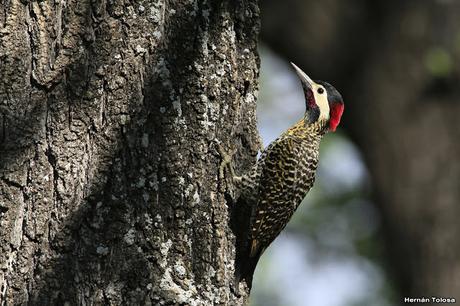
point(320, 90)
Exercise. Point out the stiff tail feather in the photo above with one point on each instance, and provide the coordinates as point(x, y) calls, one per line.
point(247, 262)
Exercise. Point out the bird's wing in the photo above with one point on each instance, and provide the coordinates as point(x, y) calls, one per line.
point(276, 190)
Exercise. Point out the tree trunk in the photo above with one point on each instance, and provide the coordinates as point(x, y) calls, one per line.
point(109, 190)
point(406, 120)
point(397, 64)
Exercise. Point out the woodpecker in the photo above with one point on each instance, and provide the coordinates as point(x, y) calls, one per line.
point(282, 176)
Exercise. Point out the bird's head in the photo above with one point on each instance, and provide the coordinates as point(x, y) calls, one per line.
point(323, 102)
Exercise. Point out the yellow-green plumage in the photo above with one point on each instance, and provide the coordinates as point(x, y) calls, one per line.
point(285, 172)
point(277, 184)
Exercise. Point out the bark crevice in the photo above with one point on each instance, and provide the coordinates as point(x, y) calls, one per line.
point(115, 197)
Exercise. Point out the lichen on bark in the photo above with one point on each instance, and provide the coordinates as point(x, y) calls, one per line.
point(108, 173)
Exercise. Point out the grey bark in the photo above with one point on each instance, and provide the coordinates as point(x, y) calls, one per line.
point(397, 65)
point(109, 190)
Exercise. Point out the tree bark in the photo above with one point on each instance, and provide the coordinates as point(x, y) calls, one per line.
point(109, 110)
point(397, 65)
point(406, 120)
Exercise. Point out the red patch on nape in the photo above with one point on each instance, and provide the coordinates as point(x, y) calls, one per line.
point(336, 114)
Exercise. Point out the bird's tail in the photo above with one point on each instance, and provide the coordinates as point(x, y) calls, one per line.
point(246, 264)
point(246, 255)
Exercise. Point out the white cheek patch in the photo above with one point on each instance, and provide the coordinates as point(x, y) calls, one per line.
point(321, 101)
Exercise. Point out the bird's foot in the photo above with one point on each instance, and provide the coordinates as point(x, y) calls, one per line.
point(226, 164)
point(226, 161)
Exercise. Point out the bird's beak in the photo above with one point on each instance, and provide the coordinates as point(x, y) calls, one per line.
point(304, 78)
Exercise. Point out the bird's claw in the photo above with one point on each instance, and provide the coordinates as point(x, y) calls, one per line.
point(226, 162)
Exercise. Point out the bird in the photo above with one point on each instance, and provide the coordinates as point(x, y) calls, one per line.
point(284, 173)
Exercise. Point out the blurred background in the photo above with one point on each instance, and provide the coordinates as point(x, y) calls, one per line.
point(382, 222)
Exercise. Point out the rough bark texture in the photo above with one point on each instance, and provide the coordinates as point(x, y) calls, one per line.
point(397, 64)
point(109, 189)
